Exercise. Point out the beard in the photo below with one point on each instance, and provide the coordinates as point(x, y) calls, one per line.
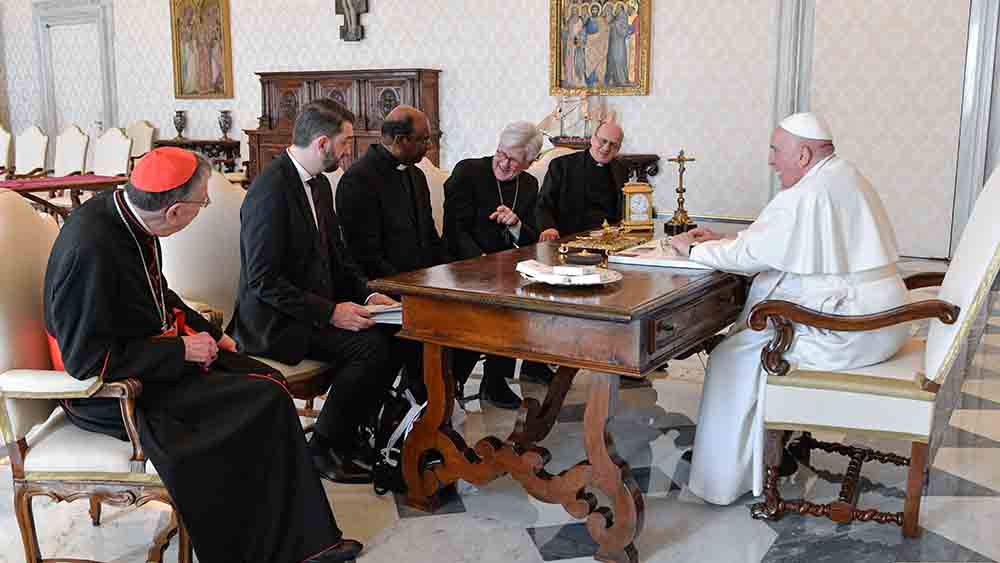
point(331, 162)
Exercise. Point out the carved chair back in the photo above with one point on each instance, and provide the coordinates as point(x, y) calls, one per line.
point(202, 262)
point(29, 151)
point(967, 283)
point(71, 151)
point(141, 132)
point(111, 154)
point(25, 242)
point(436, 178)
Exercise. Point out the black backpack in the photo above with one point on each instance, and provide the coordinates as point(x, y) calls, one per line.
point(398, 415)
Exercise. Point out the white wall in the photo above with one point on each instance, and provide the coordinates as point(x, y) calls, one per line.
point(710, 93)
point(889, 77)
point(712, 82)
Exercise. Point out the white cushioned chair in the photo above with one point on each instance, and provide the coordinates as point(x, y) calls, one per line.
point(892, 399)
point(5, 165)
point(141, 132)
point(202, 264)
point(436, 178)
point(29, 153)
point(49, 456)
point(111, 153)
point(540, 166)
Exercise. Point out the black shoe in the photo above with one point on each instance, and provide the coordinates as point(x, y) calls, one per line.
point(503, 397)
point(687, 456)
point(340, 469)
point(346, 550)
point(534, 372)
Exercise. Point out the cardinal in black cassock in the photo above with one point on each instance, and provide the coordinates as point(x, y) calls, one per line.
point(219, 427)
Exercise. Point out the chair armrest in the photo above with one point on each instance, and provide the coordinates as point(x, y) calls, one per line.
point(46, 384)
point(784, 314)
point(126, 391)
point(924, 279)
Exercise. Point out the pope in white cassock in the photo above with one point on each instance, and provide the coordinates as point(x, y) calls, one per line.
point(823, 242)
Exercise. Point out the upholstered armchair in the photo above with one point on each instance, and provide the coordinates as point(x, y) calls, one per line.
point(202, 265)
point(29, 153)
point(540, 167)
point(49, 456)
point(5, 166)
point(111, 153)
point(893, 399)
point(436, 178)
point(141, 132)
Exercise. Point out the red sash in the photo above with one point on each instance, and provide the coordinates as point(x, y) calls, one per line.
point(179, 327)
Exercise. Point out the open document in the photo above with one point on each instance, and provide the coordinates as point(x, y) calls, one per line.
point(657, 252)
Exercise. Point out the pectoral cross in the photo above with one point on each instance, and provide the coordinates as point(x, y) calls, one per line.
point(680, 222)
point(352, 30)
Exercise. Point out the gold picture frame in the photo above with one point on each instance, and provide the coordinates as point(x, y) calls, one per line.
point(202, 49)
point(580, 47)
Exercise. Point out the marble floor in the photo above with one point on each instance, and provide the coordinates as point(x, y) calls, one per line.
point(656, 424)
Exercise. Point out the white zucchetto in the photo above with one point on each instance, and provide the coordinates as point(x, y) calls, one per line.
point(807, 126)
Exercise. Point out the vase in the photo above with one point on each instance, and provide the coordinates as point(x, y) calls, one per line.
point(180, 122)
point(225, 122)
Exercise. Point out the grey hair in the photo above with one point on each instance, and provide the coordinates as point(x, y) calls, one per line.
point(155, 201)
point(522, 134)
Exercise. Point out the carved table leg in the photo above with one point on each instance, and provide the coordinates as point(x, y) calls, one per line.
point(534, 420)
point(613, 528)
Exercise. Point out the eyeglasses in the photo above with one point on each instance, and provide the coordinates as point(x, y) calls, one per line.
point(504, 157)
point(613, 145)
point(204, 203)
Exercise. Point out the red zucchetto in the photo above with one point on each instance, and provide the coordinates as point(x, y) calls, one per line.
point(163, 169)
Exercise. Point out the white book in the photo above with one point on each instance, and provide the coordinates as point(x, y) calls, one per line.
point(655, 253)
point(386, 314)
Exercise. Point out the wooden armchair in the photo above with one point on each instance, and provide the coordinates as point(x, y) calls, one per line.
point(29, 153)
point(892, 399)
point(141, 132)
point(202, 265)
point(71, 159)
point(49, 455)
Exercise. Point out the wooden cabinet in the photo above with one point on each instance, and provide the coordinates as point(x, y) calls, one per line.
point(370, 94)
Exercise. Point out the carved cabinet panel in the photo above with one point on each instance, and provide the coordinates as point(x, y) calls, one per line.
point(369, 94)
point(382, 96)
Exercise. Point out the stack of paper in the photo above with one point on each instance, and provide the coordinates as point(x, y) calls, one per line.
point(560, 275)
point(656, 252)
point(386, 314)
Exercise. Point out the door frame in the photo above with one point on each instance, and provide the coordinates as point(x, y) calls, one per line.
point(49, 14)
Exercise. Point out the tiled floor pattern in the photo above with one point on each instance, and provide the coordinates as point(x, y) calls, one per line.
point(501, 523)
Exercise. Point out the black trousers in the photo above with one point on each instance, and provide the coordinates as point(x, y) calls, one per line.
point(365, 368)
point(495, 368)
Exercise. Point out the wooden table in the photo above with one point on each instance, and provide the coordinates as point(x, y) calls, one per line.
point(76, 185)
point(628, 328)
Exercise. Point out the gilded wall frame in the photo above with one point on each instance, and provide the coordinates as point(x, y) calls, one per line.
point(600, 47)
point(202, 49)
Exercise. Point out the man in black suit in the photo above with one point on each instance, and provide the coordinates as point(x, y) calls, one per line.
point(583, 189)
point(489, 206)
point(300, 291)
point(385, 206)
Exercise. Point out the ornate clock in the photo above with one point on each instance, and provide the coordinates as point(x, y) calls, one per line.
point(638, 206)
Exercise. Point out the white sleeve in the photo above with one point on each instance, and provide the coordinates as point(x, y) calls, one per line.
point(728, 255)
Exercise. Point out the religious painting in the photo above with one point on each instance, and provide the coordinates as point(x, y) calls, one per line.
point(203, 52)
point(600, 47)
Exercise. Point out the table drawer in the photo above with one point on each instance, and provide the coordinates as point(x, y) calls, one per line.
point(678, 328)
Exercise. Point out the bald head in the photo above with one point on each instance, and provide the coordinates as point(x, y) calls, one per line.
point(792, 156)
point(606, 142)
point(406, 134)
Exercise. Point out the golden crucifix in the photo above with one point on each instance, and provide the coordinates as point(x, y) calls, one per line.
point(680, 222)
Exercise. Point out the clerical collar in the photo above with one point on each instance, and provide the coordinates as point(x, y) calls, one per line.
point(134, 211)
point(390, 157)
point(592, 160)
point(303, 173)
point(815, 169)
